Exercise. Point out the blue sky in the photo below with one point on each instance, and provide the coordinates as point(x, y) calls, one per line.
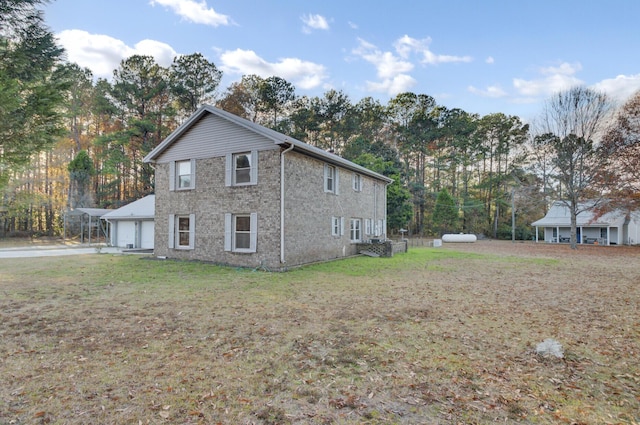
point(484, 56)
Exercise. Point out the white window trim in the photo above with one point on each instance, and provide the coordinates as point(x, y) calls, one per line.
point(336, 179)
point(352, 228)
point(367, 226)
point(337, 226)
point(174, 237)
point(230, 169)
point(173, 176)
point(356, 182)
point(379, 226)
point(229, 233)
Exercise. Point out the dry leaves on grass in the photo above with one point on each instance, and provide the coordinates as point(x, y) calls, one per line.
point(433, 336)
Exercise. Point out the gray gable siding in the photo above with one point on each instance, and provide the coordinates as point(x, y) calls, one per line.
point(211, 137)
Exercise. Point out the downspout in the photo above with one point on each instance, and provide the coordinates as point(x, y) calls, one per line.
point(375, 211)
point(282, 259)
point(384, 198)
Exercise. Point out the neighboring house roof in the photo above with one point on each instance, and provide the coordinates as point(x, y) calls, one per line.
point(559, 215)
point(276, 137)
point(91, 212)
point(143, 208)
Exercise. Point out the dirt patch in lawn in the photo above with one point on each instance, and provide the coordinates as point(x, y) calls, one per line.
point(438, 335)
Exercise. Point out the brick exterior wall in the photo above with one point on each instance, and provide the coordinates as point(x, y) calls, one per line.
point(308, 211)
point(210, 200)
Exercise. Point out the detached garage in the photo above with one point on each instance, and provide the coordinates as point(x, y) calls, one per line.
point(132, 226)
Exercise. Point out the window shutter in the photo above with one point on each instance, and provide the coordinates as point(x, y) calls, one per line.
point(228, 170)
point(341, 226)
point(326, 175)
point(227, 232)
point(336, 181)
point(254, 167)
point(193, 174)
point(172, 231)
point(192, 231)
point(253, 244)
point(172, 175)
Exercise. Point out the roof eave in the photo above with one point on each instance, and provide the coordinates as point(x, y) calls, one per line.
point(332, 159)
point(278, 139)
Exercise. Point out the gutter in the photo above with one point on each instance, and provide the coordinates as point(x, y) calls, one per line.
point(282, 257)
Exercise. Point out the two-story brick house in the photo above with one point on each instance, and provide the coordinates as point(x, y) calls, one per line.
point(233, 192)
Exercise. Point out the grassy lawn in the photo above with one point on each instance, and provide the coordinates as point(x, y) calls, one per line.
point(432, 336)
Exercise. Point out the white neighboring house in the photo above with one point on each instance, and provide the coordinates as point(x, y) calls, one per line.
point(613, 228)
point(132, 226)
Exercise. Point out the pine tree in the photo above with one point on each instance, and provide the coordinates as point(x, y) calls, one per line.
point(31, 89)
point(445, 214)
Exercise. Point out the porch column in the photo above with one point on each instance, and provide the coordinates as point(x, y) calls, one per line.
point(581, 235)
point(557, 234)
point(608, 235)
point(536, 234)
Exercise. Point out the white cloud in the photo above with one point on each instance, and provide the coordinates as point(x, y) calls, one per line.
point(391, 69)
point(303, 74)
point(489, 60)
point(619, 88)
point(553, 79)
point(407, 45)
point(195, 11)
point(162, 52)
point(393, 86)
point(490, 91)
point(102, 54)
point(314, 22)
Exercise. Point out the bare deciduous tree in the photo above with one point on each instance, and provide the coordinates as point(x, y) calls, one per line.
point(622, 144)
point(573, 122)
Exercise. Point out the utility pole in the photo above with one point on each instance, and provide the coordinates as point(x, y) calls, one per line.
point(513, 215)
point(513, 206)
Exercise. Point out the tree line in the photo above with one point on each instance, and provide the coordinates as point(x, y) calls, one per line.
point(69, 140)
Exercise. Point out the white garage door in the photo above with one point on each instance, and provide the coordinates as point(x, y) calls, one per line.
point(126, 233)
point(146, 239)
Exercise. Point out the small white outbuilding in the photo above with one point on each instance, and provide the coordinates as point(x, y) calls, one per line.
point(132, 226)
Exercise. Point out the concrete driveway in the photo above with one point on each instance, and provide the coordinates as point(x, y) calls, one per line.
point(55, 251)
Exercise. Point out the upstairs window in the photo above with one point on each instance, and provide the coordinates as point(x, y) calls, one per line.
point(331, 179)
point(357, 182)
point(182, 175)
point(183, 171)
point(242, 169)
